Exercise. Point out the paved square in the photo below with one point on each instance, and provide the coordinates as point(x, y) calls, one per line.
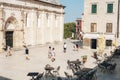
point(16, 67)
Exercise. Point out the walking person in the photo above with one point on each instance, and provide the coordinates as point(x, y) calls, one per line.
point(53, 55)
point(65, 47)
point(8, 51)
point(77, 47)
point(27, 53)
point(49, 52)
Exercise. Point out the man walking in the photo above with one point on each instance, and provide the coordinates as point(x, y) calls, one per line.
point(65, 47)
point(27, 52)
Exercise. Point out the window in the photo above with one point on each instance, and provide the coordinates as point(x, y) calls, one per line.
point(108, 42)
point(78, 23)
point(109, 27)
point(109, 8)
point(93, 27)
point(94, 8)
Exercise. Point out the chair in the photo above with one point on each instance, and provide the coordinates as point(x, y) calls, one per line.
point(39, 76)
point(112, 68)
point(91, 75)
point(33, 75)
point(56, 72)
point(69, 65)
point(109, 59)
point(101, 67)
point(69, 77)
point(94, 73)
point(59, 78)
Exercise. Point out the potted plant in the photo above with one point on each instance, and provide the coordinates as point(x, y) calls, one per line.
point(84, 58)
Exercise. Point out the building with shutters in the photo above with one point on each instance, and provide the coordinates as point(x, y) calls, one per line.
point(79, 28)
point(30, 22)
point(100, 18)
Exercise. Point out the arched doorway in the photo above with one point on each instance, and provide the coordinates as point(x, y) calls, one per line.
point(9, 31)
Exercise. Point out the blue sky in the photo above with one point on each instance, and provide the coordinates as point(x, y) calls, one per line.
point(73, 10)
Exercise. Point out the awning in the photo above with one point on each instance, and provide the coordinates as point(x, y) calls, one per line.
point(109, 37)
point(91, 36)
point(96, 36)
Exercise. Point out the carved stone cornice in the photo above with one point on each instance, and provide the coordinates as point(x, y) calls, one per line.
point(44, 3)
point(46, 10)
point(17, 6)
point(28, 7)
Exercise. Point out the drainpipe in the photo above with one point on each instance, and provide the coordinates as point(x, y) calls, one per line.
point(118, 20)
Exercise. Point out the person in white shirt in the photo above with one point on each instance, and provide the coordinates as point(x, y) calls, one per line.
point(49, 52)
point(65, 47)
point(8, 51)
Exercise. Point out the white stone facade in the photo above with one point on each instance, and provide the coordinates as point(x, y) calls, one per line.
point(30, 22)
point(101, 18)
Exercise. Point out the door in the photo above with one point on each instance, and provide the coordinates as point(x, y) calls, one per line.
point(9, 38)
point(93, 43)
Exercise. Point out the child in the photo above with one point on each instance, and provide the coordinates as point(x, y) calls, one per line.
point(49, 52)
point(53, 55)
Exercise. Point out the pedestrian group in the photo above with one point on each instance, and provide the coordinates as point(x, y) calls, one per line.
point(51, 53)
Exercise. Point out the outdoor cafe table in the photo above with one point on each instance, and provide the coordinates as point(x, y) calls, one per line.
point(77, 64)
point(48, 70)
point(32, 74)
point(82, 72)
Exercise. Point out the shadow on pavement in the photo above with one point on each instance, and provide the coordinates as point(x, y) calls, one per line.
point(80, 44)
point(4, 78)
point(56, 78)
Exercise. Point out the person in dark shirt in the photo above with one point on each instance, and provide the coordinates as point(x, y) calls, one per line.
point(27, 52)
point(95, 55)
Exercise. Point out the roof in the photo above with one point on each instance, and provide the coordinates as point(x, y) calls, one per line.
point(51, 1)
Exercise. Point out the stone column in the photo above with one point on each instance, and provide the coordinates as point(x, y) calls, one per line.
point(2, 40)
point(51, 27)
point(22, 28)
point(61, 26)
point(25, 26)
point(24, 20)
point(43, 23)
point(34, 27)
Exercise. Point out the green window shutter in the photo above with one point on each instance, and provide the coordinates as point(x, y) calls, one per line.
point(110, 8)
point(94, 8)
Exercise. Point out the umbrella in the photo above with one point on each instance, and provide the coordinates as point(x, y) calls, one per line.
point(101, 43)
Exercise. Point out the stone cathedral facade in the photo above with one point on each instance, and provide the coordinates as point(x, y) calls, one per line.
point(30, 22)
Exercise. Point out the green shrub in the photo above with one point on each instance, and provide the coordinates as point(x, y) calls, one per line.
point(69, 28)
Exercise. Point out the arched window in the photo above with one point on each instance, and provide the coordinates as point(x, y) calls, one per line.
point(11, 23)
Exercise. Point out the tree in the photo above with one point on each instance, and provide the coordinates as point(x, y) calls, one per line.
point(69, 28)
